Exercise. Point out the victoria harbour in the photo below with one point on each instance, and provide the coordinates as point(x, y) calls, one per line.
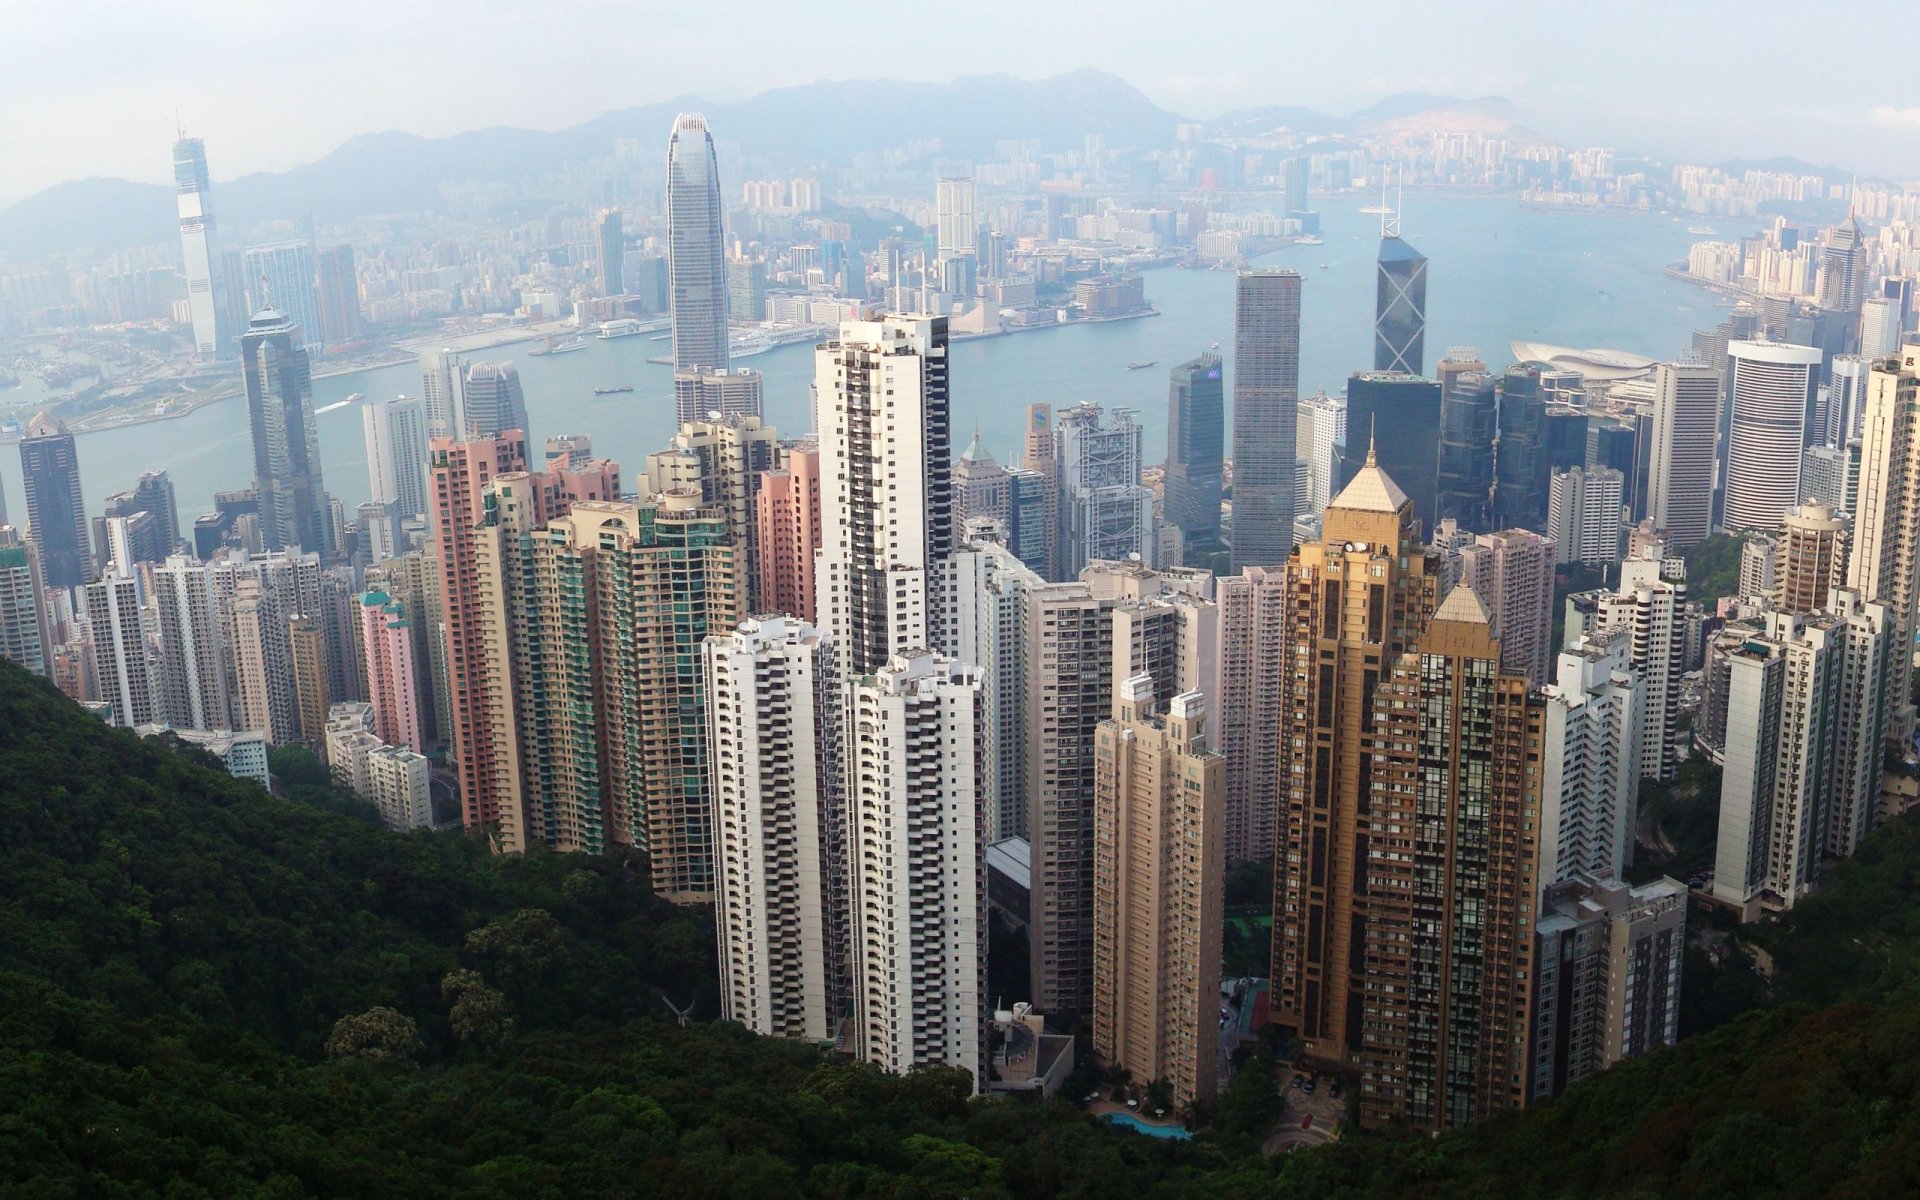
point(1500, 272)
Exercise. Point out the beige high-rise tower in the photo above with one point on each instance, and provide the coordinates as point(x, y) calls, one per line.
point(1886, 522)
point(1158, 867)
point(1812, 558)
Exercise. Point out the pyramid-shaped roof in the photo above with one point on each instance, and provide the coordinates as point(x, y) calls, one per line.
point(1371, 490)
point(1464, 606)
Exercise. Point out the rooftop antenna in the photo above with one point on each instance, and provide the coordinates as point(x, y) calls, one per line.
point(1390, 217)
point(1371, 419)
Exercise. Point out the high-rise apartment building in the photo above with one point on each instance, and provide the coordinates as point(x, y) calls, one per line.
point(886, 502)
point(1445, 899)
point(1885, 553)
point(192, 189)
point(701, 392)
point(1775, 388)
point(917, 888)
point(991, 587)
point(337, 288)
point(153, 496)
point(386, 639)
point(1158, 880)
point(1037, 456)
point(1253, 614)
point(1196, 445)
point(396, 432)
point(696, 247)
point(400, 784)
point(780, 827)
point(724, 460)
point(1512, 574)
point(1591, 760)
point(1583, 515)
point(191, 673)
point(609, 251)
point(111, 603)
point(1811, 558)
point(286, 440)
point(1320, 434)
point(492, 401)
point(1266, 399)
point(1400, 304)
point(56, 513)
point(1847, 395)
point(1651, 602)
point(441, 377)
point(280, 279)
point(312, 696)
point(1684, 455)
point(25, 636)
point(787, 529)
point(1105, 511)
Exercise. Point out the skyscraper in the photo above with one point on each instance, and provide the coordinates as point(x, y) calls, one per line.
point(337, 288)
point(441, 377)
point(1266, 398)
point(386, 638)
point(1843, 266)
point(1650, 601)
point(493, 401)
point(1812, 558)
point(1521, 470)
point(982, 488)
point(1394, 419)
point(307, 652)
point(724, 462)
point(56, 513)
point(1468, 422)
point(787, 526)
point(609, 251)
point(1591, 760)
point(990, 589)
point(696, 247)
point(1320, 435)
point(1037, 456)
point(286, 440)
point(1196, 444)
point(1879, 327)
point(780, 828)
point(918, 895)
point(1847, 396)
point(112, 606)
point(1685, 451)
point(1158, 878)
point(1253, 611)
point(1106, 513)
point(1774, 390)
point(700, 392)
point(1512, 574)
point(1886, 519)
point(153, 495)
point(280, 278)
point(956, 234)
point(191, 668)
point(1583, 515)
point(396, 433)
point(1400, 303)
point(192, 188)
point(886, 503)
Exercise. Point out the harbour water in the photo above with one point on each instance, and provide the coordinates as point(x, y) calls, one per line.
point(1497, 272)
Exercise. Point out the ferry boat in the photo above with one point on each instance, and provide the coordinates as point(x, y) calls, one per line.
point(619, 328)
point(1702, 230)
point(613, 391)
point(559, 345)
point(1309, 240)
point(1141, 366)
point(749, 344)
point(1376, 210)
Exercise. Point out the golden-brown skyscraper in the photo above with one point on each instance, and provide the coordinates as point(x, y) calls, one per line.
point(310, 694)
point(1158, 874)
point(1446, 907)
point(1358, 599)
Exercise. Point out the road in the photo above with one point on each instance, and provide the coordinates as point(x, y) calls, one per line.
point(1326, 1112)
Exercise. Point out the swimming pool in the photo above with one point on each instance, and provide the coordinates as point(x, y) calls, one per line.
point(1129, 1121)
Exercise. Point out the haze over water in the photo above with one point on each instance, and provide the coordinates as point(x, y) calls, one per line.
point(1497, 272)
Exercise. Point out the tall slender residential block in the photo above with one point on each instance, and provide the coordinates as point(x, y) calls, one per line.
point(886, 501)
point(1037, 455)
point(442, 375)
point(1583, 515)
point(1158, 868)
point(1811, 558)
point(1400, 303)
point(1196, 445)
point(696, 254)
point(1356, 600)
point(1591, 761)
point(609, 251)
point(286, 439)
point(1446, 892)
point(459, 472)
point(25, 637)
point(991, 587)
point(386, 638)
point(397, 454)
point(1885, 551)
point(192, 189)
point(280, 278)
point(918, 890)
point(1266, 398)
point(1512, 573)
point(724, 459)
point(56, 513)
point(112, 606)
point(1650, 601)
point(1320, 434)
point(492, 401)
point(191, 673)
point(153, 495)
point(312, 697)
point(1685, 451)
point(1847, 394)
point(780, 828)
point(1775, 387)
point(788, 533)
point(1253, 613)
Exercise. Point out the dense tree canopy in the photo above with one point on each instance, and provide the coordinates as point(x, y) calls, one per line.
point(206, 991)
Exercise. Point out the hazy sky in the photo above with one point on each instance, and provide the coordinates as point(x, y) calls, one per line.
point(90, 87)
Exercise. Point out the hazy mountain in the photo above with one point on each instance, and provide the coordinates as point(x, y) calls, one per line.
point(1395, 109)
point(401, 172)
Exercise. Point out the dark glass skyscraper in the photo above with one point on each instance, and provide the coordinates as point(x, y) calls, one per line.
point(1521, 471)
point(1400, 307)
point(1399, 416)
point(56, 512)
point(1266, 402)
point(286, 442)
point(696, 248)
point(1467, 422)
point(1196, 442)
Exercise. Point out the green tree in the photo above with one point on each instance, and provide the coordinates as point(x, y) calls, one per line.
point(378, 1034)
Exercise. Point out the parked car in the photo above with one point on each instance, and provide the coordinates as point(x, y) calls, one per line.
point(1306, 1122)
point(1297, 1081)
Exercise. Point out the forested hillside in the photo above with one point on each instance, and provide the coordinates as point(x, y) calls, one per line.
point(208, 992)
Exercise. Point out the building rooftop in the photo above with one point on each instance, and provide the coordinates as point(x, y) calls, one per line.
point(1372, 490)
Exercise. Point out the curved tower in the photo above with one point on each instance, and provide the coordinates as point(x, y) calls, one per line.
point(696, 253)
